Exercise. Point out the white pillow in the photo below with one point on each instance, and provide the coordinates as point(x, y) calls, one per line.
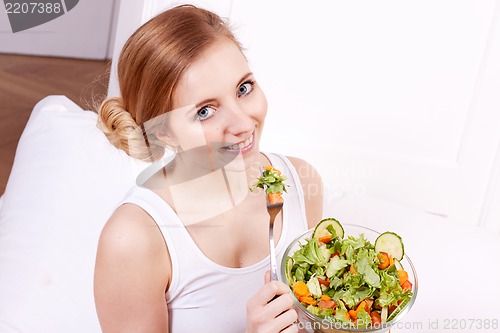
point(66, 181)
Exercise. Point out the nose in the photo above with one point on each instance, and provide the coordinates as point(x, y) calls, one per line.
point(238, 121)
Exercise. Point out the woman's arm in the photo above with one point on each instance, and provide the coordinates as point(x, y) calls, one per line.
point(312, 185)
point(132, 273)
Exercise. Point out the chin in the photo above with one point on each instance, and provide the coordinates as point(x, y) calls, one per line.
point(243, 161)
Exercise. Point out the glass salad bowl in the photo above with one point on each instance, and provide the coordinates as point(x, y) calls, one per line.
point(310, 322)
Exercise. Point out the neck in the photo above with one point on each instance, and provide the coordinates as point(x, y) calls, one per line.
point(197, 192)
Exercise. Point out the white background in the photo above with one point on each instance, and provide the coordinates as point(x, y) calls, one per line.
point(391, 99)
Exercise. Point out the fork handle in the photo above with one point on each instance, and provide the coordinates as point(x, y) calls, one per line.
point(274, 275)
point(274, 266)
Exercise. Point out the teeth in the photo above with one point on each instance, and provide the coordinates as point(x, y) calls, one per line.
point(242, 145)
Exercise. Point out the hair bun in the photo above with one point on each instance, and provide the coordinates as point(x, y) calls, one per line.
point(124, 133)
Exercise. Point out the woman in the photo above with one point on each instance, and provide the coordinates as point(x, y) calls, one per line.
point(188, 250)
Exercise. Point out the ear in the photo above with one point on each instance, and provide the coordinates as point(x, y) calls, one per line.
point(160, 128)
point(167, 137)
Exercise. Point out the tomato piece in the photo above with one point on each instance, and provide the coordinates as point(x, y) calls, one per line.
point(369, 304)
point(407, 285)
point(325, 283)
point(327, 304)
point(376, 318)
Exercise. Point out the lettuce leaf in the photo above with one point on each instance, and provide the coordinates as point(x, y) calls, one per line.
point(314, 287)
point(334, 265)
point(364, 267)
point(322, 313)
point(311, 254)
point(363, 320)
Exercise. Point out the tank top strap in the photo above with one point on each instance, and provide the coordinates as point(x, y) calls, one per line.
point(167, 221)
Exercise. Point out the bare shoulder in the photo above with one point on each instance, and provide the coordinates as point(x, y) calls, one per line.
point(309, 176)
point(312, 186)
point(132, 272)
point(131, 232)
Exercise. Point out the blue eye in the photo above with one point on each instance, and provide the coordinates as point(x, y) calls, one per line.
point(205, 112)
point(245, 88)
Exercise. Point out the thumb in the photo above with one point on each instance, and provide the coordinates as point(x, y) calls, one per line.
point(267, 277)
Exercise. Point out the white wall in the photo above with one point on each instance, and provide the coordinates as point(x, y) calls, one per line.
point(397, 100)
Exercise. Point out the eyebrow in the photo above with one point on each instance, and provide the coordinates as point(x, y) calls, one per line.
point(209, 100)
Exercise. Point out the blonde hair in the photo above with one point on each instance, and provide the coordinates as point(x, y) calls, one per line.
point(150, 65)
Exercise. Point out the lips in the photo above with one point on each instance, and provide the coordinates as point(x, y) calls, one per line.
point(242, 146)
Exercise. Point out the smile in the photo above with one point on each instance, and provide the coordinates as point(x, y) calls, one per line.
point(242, 146)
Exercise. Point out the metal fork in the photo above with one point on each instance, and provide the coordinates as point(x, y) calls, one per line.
point(273, 210)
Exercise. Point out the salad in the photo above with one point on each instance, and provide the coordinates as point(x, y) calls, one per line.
point(349, 280)
point(272, 181)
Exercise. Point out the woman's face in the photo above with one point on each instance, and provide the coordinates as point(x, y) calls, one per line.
point(219, 110)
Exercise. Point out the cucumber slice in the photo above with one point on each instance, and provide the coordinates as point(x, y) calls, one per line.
point(390, 243)
point(383, 314)
point(321, 231)
point(288, 271)
point(398, 265)
point(399, 308)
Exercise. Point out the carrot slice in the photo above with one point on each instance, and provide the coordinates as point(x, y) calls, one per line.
point(274, 198)
point(307, 300)
point(403, 276)
point(384, 260)
point(300, 289)
point(270, 168)
point(391, 260)
point(325, 239)
point(362, 305)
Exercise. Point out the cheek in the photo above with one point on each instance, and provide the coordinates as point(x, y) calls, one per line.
point(260, 107)
point(191, 136)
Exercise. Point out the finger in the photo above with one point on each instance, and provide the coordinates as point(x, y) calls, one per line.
point(267, 277)
point(269, 290)
point(286, 321)
point(280, 304)
point(291, 329)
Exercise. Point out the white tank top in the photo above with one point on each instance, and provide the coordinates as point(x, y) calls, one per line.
point(204, 296)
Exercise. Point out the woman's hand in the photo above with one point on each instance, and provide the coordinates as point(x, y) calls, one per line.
point(270, 310)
